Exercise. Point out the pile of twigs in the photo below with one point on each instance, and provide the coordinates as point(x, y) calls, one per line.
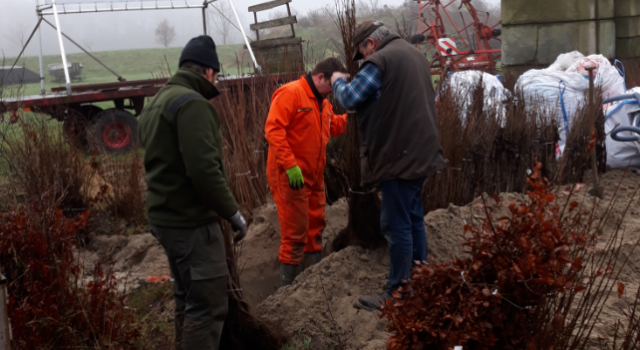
point(243, 111)
point(576, 159)
point(489, 150)
point(493, 150)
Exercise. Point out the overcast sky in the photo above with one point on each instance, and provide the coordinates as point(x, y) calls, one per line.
point(118, 30)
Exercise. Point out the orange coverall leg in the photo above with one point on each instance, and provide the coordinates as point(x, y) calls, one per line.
point(301, 216)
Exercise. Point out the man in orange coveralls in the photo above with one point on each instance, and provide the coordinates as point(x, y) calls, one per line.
point(297, 129)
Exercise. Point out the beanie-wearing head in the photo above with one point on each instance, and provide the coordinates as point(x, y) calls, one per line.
point(201, 50)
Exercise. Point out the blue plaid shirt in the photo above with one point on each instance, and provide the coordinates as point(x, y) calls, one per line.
point(365, 84)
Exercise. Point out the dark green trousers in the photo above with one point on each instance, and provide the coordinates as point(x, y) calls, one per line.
point(198, 263)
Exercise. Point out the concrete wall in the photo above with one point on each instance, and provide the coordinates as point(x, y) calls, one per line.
point(626, 8)
point(627, 13)
point(555, 11)
point(540, 44)
point(535, 32)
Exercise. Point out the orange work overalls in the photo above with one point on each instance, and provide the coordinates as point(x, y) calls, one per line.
point(298, 134)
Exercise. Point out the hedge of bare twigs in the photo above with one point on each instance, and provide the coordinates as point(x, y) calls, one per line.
point(492, 151)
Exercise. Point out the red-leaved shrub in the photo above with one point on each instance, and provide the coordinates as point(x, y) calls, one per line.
point(498, 297)
point(50, 306)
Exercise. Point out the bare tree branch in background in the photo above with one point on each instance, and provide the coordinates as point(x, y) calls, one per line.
point(404, 28)
point(277, 14)
point(368, 8)
point(221, 18)
point(314, 17)
point(165, 33)
point(17, 34)
point(88, 43)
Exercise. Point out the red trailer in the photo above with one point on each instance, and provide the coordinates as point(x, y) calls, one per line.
point(114, 129)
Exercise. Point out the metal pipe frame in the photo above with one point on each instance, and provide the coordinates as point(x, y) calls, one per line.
point(42, 89)
point(41, 10)
point(258, 69)
point(62, 52)
point(96, 9)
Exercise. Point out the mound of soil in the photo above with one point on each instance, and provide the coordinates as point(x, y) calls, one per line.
point(137, 257)
point(258, 253)
point(320, 302)
point(133, 258)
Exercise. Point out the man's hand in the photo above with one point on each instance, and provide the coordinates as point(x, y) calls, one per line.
point(296, 180)
point(338, 75)
point(238, 224)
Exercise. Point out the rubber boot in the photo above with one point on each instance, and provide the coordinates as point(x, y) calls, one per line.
point(311, 259)
point(288, 273)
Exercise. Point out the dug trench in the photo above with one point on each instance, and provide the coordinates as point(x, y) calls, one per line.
point(319, 304)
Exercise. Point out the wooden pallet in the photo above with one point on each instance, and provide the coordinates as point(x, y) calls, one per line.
point(282, 54)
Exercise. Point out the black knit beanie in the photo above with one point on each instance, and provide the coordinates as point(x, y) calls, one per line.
point(201, 50)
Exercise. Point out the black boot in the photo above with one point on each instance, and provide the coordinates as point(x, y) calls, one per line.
point(372, 302)
point(311, 259)
point(288, 273)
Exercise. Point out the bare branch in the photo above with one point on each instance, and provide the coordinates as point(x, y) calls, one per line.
point(165, 33)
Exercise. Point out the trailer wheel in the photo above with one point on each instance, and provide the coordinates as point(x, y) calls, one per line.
point(115, 130)
point(89, 111)
point(75, 128)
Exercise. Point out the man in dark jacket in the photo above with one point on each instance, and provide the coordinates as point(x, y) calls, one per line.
point(399, 145)
point(188, 193)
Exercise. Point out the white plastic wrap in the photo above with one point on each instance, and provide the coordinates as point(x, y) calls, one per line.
point(463, 83)
point(622, 154)
point(568, 77)
point(607, 76)
point(565, 61)
point(556, 89)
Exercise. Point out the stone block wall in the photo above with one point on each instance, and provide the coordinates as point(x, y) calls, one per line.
point(627, 18)
point(553, 11)
point(535, 32)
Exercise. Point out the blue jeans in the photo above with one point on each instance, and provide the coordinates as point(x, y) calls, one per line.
point(402, 224)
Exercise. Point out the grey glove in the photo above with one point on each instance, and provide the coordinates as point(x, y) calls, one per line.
point(238, 224)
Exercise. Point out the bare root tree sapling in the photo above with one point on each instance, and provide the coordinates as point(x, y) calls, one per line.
point(165, 33)
point(364, 203)
point(17, 34)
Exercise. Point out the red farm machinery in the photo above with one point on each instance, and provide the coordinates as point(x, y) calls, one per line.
point(443, 43)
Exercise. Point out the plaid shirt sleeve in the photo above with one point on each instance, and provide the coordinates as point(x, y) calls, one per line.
point(365, 84)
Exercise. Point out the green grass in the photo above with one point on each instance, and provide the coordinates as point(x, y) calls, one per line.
point(130, 64)
point(299, 342)
point(150, 63)
point(152, 308)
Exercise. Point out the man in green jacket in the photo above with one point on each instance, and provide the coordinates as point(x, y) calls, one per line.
point(188, 193)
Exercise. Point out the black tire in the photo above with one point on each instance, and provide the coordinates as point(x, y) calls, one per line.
point(76, 129)
point(115, 130)
point(89, 111)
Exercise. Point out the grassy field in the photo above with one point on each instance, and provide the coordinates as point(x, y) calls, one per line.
point(130, 64)
point(152, 63)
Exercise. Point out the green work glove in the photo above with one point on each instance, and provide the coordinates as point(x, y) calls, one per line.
point(296, 181)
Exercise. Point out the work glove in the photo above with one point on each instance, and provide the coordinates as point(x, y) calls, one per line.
point(238, 224)
point(296, 181)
